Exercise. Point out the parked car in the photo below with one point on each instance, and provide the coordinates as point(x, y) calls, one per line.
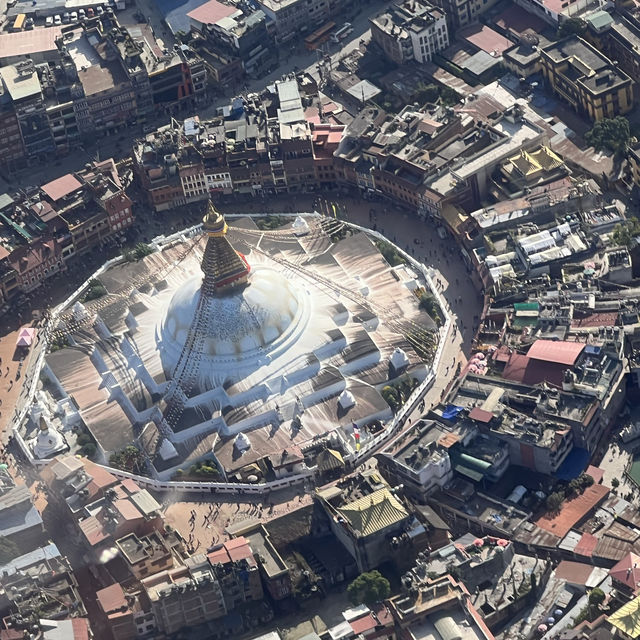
point(74, 16)
point(66, 17)
point(90, 12)
point(48, 21)
point(100, 9)
point(57, 19)
point(82, 14)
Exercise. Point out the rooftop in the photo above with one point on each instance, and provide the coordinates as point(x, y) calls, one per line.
point(627, 619)
point(573, 511)
point(374, 512)
point(26, 43)
point(211, 12)
point(60, 187)
point(556, 351)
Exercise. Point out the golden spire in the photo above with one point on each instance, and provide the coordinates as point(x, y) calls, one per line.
point(223, 267)
point(213, 223)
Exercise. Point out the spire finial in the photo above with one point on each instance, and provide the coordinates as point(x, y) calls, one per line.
point(213, 223)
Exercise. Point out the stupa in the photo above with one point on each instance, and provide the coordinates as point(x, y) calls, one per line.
point(237, 343)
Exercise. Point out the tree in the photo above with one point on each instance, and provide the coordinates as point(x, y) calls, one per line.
point(572, 26)
point(615, 483)
point(369, 588)
point(89, 450)
point(96, 290)
point(429, 304)
point(596, 597)
point(554, 501)
point(427, 92)
point(609, 133)
point(8, 550)
point(128, 459)
point(624, 234)
point(390, 395)
point(449, 96)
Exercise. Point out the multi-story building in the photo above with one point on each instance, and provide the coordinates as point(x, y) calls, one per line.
point(273, 569)
point(233, 34)
point(292, 17)
point(326, 141)
point(22, 83)
point(12, 152)
point(410, 30)
point(366, 517)
point(42, 586)
point(185, 596)
point(156, 162)
point(20, 521)
point(461, 13)
point(441, 604)
point(110, 98)
point(152, 553)
point(290, 135)
point(35, 262)
point(237, 572)
point(122, 613)
point(587, 80)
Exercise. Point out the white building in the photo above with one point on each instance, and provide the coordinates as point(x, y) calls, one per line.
point(410, 30)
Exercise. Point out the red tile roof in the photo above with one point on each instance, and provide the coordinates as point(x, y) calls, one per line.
point(111, 598)
point(485, 39)
point(100, 478)
point(363, 624)
point(627, 571)
point(211, 12)
point(130, 485)
point(232, 551)
point(523, 369)
point(80, 628)
point(558, 351)
point(573, 511)
point(480, 415)
point(586, 545)
point(574, 572)
point(517, 20)
point(127, 509)
point(93, 530)
point(61, 187)
point(596, 473)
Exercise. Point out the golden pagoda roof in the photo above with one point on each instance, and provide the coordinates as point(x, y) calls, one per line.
point(372, 513)
point(627, 618)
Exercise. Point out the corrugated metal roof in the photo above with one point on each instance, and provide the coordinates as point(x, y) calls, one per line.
point(573, 511)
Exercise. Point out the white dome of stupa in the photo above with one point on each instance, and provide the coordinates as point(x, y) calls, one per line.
point(245, 321)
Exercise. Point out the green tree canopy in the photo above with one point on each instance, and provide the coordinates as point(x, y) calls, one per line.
point(369, 588)
point(596, 597)
point(572, 26)
point(554, 501)
point(8, 550)
point(624, 234)
point(609, 133)
point(128, 459)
